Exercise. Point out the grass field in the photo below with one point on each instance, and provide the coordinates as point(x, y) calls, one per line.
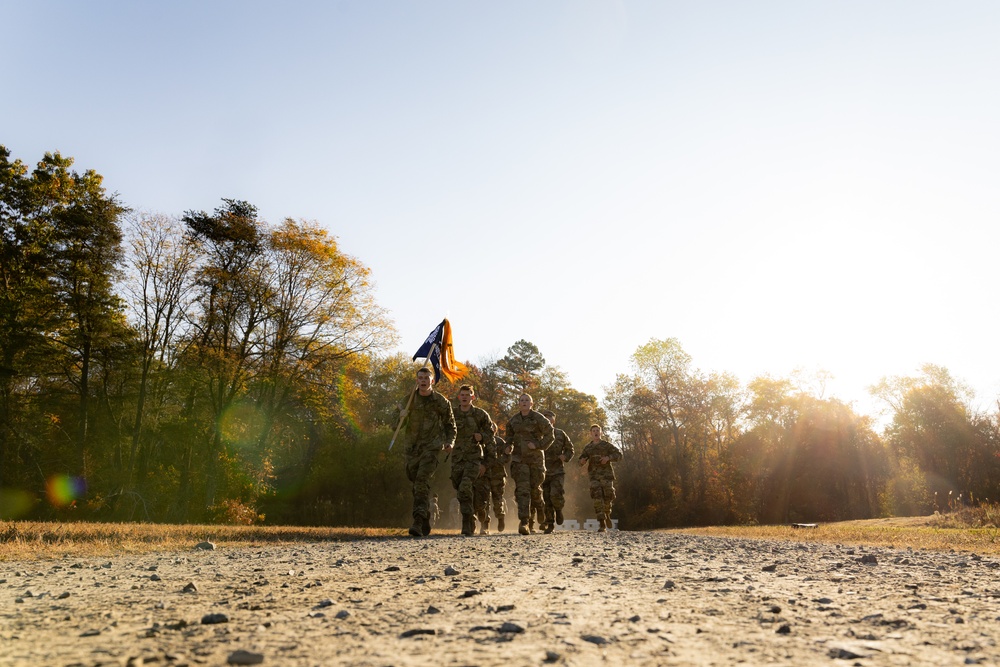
point(972, 529)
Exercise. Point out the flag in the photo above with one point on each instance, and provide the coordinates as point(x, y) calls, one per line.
point(440, 352)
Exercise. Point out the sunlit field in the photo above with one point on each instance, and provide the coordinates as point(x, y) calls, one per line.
point(35, 539)
point(972, 529)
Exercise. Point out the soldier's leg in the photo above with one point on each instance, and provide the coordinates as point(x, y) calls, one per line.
point(557, 491)
point(422, 490)
point(609, 500)
point(465, 496)
point(522, 494)
point(410, 465)
point(547, 502)
point(497, 486)
point(481, 502)
point(597, 495)
point(537, 503)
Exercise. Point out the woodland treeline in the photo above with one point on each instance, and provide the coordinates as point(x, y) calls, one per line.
point(214, 367)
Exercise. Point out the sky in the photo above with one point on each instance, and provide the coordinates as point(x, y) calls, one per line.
point(777, 185)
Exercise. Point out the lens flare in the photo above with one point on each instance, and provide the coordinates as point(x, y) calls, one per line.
point(241, 425)
point(342, 389)
point(63, 490)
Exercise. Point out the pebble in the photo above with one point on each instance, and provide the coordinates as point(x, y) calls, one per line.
point(214, 619)
point(418, 631)
point(241, 657)
point(595, 639)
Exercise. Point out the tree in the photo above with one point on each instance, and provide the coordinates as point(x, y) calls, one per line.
point(27, 307)
point(158, 287)
point(954, 449)
point(519, 372)
point(85, 261)
point(232, 298)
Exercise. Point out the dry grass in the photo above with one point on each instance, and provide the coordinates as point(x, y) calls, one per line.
point(25, 540)
point(969, 529)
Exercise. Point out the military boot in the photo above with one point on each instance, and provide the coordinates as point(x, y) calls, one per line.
point(484, 525)
point(603, 526)
point(468, 525)
point(500, 525)
point(607, 521)
point(415, 530)
point(425, 525)
point(559, 517)
point(523, 527)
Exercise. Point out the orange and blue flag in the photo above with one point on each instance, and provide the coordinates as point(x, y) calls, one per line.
point(439, 350)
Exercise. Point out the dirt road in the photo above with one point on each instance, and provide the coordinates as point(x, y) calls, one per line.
point(570, 598)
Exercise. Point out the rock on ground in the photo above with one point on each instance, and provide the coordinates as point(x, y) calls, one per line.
point(566, 598)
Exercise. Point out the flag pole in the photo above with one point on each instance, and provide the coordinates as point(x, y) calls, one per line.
point(409, 401)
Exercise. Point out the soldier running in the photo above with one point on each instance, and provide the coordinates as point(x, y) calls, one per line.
point(528, 434)
point(598, 456)
point(468, 463)
point(553, 488)
point(430, 428)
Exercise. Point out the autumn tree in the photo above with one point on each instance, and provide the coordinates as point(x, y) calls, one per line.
point(941, 447)
point(158, 288)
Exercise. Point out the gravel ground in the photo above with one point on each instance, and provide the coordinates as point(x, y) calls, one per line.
point(570, 598)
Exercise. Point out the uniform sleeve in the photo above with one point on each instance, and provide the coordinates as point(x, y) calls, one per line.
point(614, 453)
point(546, 432)
point(568, 450)
point(447, 421)
point(487, 428)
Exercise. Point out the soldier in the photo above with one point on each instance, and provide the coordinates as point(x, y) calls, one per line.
point(599, 454)
point(528, 435)
point(435, 510)
point(474, 438)
point(430, 428)
point(492, 485)
point(553, 488)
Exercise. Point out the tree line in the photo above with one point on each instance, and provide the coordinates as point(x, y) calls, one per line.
point(214, 367)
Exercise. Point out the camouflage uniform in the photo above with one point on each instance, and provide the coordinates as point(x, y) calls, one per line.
point(468, 456)
point(527, 466)
point(602, 477)
point(492, 485)
point(553, 488)
point(430, 427)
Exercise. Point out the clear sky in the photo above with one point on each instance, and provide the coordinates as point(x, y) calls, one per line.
point(778, 185)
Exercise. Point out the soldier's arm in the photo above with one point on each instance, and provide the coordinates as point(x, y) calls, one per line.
point(614, 453)
point(448, 422)
point(487, 428)
point(508, 433)
point(546, 433)
point(568, 450)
